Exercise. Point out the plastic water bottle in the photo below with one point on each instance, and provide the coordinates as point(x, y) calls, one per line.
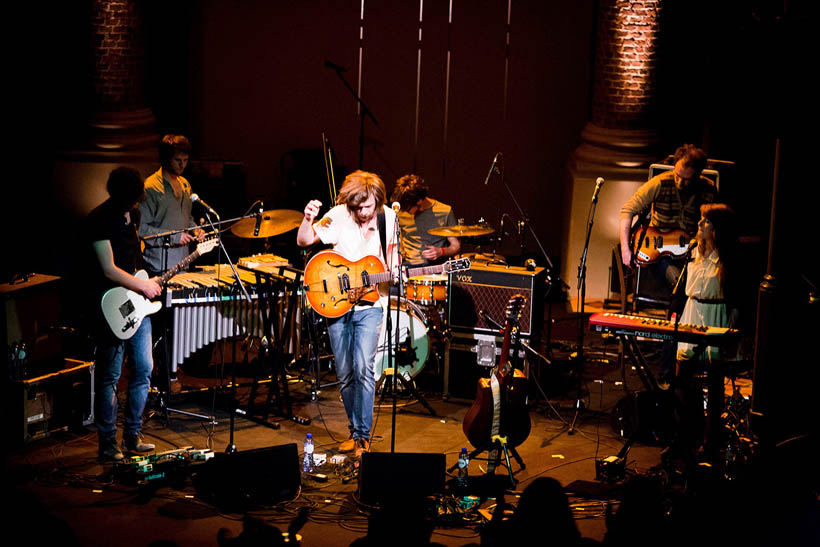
point(463, 464)
point(307, 463)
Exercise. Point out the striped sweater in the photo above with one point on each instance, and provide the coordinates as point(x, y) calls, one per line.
point(671, 208)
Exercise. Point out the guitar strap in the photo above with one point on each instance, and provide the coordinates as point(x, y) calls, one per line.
point(383, 234)
point(495, 426)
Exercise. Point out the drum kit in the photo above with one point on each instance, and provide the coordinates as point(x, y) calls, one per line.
point(422, 306)
point(423, 327)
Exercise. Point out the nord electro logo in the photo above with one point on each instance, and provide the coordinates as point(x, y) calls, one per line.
point(465, 278)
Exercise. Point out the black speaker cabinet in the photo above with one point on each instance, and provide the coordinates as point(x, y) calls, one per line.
point(489, 288)
point(52, 402)
point(239, 481)
point(386, 477)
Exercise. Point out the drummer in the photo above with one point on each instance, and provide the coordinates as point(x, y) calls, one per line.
point(420, 213)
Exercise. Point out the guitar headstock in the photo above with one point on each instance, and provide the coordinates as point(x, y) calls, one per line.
point(207, 246)
point(456, 265)
point(515, 307)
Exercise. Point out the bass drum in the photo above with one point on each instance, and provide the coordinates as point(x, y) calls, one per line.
point(413, 347)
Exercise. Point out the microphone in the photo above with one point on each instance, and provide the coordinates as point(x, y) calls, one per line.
point(396, 206)
point(335, 67)
point(492, 168)
point(692, 244)
point(258, 219)
point(196, 199)
point(598, 183)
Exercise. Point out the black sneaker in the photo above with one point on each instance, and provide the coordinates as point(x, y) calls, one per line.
point(135, 445)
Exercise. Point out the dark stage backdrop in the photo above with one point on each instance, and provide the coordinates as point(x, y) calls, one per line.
point(252, 87)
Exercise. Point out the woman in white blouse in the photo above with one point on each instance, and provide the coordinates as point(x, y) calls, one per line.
point(709, 277)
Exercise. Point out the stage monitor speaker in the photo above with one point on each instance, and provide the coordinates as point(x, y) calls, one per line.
point(386, 477)
point(239, 481)
point(489, 288)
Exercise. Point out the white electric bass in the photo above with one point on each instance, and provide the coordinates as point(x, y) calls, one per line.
point(124, 309)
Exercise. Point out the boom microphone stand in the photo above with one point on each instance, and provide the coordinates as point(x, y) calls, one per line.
point(582, 283)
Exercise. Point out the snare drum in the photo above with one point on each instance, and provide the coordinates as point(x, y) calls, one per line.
point(427, 290)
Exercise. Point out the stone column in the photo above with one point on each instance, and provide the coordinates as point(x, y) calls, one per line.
point(122, 120)
point(619, 142)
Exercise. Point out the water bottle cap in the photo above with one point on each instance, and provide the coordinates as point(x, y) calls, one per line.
point(310, 435)
point(463, 450)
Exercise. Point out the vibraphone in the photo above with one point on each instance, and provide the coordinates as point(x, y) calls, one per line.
point(207, 307)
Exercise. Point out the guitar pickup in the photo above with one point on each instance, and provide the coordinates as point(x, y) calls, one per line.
point(365, 279)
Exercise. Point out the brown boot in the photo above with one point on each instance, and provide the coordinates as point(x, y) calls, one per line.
point(348, 446)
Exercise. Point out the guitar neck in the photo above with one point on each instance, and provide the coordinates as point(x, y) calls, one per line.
point(184, 263)
point(425, 270)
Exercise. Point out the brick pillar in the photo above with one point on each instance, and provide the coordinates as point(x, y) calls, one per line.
point(121, 120)
point(620, 141)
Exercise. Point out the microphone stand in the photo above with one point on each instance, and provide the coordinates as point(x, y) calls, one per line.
point(582, 274)
point(365, 111)
point(391, 356)
point(231, 448)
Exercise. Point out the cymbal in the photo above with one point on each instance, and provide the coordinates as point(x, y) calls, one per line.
point(273, 223)
point(462, 231)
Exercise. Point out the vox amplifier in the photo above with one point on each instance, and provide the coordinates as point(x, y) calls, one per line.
point(489, 288)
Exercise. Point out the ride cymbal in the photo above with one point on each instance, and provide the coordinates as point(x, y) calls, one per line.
point(461, 231)
point(273, 223)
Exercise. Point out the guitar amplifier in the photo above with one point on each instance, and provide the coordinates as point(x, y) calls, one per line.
point(489, 288)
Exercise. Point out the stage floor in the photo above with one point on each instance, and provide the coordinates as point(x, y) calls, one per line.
point(57, 480)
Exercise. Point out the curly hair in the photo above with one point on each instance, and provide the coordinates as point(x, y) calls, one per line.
point(410, 189)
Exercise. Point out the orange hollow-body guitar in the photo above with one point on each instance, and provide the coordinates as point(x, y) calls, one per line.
point(650, 243)
point(334, 284)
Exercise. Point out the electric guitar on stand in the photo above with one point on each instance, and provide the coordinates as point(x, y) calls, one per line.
point(499, 414)
point(334, 284)
point(124, 309)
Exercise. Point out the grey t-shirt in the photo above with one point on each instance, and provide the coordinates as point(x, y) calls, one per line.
point(414, 231)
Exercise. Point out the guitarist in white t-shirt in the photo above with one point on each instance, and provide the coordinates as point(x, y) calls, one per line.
point(352, 228)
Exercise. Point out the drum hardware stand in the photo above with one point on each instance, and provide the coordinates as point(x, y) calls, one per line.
point(408, 384)
point(582, 274)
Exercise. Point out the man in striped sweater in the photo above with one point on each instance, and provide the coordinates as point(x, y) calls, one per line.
point(674, 198)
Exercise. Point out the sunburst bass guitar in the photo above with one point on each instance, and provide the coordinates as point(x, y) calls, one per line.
point(124, 309)
point(334, 284)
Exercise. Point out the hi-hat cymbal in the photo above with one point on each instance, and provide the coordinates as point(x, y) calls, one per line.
point(273, 223)
point(461, 231)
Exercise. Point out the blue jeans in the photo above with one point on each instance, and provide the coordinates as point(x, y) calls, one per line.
point(353, 338)
point(110, 356)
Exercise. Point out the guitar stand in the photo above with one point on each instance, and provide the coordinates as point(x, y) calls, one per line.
point(409, 386)
point(497, 443)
